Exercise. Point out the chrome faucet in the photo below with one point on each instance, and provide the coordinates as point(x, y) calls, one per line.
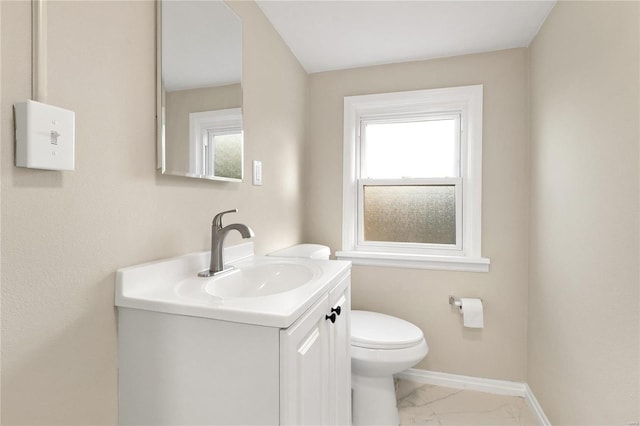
point(218, 234)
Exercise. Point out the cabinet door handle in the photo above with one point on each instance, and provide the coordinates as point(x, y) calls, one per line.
point(337, 310)
point(331, 317)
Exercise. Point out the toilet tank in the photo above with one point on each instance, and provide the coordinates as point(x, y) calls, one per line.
point(307, 251)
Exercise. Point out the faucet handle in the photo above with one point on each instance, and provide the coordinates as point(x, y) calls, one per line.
point(217, 219)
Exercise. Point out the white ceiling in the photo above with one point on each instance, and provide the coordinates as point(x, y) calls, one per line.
point(329, 35)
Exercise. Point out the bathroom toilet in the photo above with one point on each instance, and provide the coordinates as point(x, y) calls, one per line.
point(381, 346)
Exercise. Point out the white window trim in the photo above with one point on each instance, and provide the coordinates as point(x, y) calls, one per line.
point(468, 101)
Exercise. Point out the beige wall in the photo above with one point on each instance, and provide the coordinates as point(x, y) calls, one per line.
point(65, 233)
point(421, 296)
point(583, 333)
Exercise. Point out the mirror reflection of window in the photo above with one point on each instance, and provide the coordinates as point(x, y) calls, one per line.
point(224, 153)
point(216, 144)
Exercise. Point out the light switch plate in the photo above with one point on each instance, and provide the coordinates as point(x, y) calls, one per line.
point(257, 172)
point(45, 136)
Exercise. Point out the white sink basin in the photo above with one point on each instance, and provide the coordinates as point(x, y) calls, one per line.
point(262, 290)
point(259, 280)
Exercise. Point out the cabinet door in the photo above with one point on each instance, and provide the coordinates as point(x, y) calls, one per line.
point(304, 369)
point(340, 387)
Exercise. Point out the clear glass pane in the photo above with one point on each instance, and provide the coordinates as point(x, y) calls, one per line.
point(410, 213)
point(417, 149)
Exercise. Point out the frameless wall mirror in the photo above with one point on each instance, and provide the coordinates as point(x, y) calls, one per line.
point(199, 77)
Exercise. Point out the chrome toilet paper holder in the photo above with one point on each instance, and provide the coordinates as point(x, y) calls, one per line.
point(456, 302)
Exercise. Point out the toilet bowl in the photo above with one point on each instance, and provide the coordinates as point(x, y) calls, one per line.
point(381, 346)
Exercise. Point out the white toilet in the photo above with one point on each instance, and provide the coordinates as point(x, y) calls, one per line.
point(381, 346)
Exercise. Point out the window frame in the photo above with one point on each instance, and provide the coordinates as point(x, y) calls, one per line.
point(466, 256)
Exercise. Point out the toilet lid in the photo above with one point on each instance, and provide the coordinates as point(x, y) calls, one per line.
point(379, 331)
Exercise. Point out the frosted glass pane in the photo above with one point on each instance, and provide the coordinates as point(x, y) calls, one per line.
point(419, 149)
point(410, 213)
point(228, 155)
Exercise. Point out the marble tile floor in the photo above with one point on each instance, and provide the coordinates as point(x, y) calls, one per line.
point(421, 404)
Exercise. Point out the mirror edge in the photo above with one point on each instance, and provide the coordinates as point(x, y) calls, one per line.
point(159, 115)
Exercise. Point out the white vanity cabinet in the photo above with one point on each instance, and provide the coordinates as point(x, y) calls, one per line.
point(315, 364)
point(179, 368)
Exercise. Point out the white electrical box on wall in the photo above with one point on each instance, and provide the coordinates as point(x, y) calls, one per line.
point(45, 136)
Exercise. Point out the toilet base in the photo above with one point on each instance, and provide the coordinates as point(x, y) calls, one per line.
point(374, 401)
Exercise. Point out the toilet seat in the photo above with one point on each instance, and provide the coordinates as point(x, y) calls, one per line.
point(373, 330)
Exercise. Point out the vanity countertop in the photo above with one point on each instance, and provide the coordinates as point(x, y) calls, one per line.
point(172, 286)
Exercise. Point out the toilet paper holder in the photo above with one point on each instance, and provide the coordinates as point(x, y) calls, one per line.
point(456, 302)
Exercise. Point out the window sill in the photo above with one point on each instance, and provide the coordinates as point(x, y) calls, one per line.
point(416, 261)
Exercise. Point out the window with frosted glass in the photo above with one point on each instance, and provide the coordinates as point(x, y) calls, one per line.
point(409, 177)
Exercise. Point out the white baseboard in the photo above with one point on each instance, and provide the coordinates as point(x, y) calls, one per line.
point(499, 387)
